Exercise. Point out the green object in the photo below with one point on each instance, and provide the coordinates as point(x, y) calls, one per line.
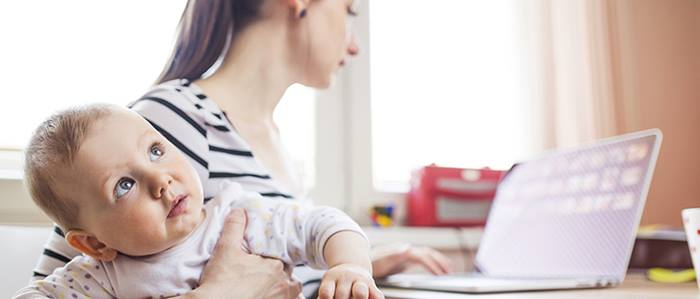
point(669, 276)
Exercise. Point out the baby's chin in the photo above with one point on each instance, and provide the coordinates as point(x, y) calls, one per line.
point(176, 234)
point(185, 226)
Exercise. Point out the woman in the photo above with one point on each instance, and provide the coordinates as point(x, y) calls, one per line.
point(223, 122)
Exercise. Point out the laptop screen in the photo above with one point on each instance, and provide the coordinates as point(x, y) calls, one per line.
point(572, 212)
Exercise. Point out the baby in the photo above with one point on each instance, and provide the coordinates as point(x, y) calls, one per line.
point(132, 203)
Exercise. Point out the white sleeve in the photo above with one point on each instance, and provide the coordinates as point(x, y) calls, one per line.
point(293, 232)
point(82, 277)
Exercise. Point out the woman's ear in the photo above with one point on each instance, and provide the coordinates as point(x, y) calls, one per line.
point(87, 243)
point(299, 7)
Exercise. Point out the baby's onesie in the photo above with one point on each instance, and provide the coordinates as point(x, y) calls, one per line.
point(291, 231)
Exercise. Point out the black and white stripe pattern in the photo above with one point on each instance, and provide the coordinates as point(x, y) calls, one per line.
point(182, 113)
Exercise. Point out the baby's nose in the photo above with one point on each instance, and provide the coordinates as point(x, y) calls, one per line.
point(160, 186)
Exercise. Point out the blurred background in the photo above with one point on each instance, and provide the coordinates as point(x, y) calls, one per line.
point(457, 83)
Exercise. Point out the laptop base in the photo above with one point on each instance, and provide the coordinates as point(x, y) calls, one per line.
point(475, 283)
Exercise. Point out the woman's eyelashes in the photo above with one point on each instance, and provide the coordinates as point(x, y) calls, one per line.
point(156, 151)
point(353, 7)
point(123, 187)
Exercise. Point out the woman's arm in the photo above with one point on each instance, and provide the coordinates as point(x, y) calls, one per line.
point(392, 259)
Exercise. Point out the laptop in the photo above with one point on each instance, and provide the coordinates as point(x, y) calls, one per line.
point(566, 220)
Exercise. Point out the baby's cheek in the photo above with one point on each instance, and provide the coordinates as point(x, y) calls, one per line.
point(188, 176)
point(143, 228)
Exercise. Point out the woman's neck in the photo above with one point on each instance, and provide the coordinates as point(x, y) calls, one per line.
point(256, 72)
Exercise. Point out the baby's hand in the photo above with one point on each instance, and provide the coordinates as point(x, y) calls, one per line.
point(348, 281)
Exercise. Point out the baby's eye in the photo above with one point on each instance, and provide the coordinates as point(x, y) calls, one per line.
point(123, 187)
point(156, 151)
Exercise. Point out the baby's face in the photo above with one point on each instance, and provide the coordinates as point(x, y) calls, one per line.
point(136, 192)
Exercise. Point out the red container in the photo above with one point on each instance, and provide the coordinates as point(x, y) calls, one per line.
point(453, 197)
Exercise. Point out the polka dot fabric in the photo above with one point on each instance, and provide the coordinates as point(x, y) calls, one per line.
point(83, 277)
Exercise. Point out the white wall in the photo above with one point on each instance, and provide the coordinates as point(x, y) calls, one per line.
point(17, 207)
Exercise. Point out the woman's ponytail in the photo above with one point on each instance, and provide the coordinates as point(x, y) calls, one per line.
point(205, 28)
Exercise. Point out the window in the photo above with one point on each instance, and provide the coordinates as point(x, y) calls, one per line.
point(77, 52)
point(446, 87)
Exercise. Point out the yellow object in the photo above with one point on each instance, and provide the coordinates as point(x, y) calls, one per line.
point(670, 276)
point(384, 221)
point(650, 228)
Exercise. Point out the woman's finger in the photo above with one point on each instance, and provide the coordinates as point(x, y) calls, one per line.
point(234, 229)
point(276, 265)
point(230, 267)
point(294, 287)
point(441, 260)
point(393, 259)
point(422, 258)
point(360, 290)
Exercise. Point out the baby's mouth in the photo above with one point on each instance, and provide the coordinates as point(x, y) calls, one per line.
point(179, 206)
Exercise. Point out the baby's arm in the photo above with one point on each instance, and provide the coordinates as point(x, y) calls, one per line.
point(322, 237)
point(82, 277)
point(293, 232)
point(350, 271)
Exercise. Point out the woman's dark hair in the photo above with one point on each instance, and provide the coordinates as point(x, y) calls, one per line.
point(205, 28)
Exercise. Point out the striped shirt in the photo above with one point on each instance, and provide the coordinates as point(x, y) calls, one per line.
point(191, 121)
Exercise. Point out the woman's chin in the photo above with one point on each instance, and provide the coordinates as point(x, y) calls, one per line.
point(319, 82)
point(327, 82)
point(318, 85)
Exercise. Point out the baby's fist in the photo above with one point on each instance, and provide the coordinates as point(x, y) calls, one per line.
point(348, 281)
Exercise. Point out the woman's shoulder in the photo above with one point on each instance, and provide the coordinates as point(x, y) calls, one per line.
point(177, 93)
point(181, 99)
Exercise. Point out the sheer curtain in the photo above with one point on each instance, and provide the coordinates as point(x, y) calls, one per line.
point(572, 49)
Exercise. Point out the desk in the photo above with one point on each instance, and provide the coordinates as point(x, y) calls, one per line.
point(635, 286)
point(453, 243)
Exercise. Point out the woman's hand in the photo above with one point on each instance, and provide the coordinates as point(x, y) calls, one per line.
point(286, 288)
point(392, 259)
point(233, 273)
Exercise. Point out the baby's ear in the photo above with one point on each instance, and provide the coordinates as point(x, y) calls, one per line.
point(88, 244)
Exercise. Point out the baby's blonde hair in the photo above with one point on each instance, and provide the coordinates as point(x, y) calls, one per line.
point(53, 147)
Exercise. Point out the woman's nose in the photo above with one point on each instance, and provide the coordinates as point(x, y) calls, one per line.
point(353, 49)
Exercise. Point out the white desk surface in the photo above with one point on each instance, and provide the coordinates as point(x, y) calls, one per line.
point(635, 286)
